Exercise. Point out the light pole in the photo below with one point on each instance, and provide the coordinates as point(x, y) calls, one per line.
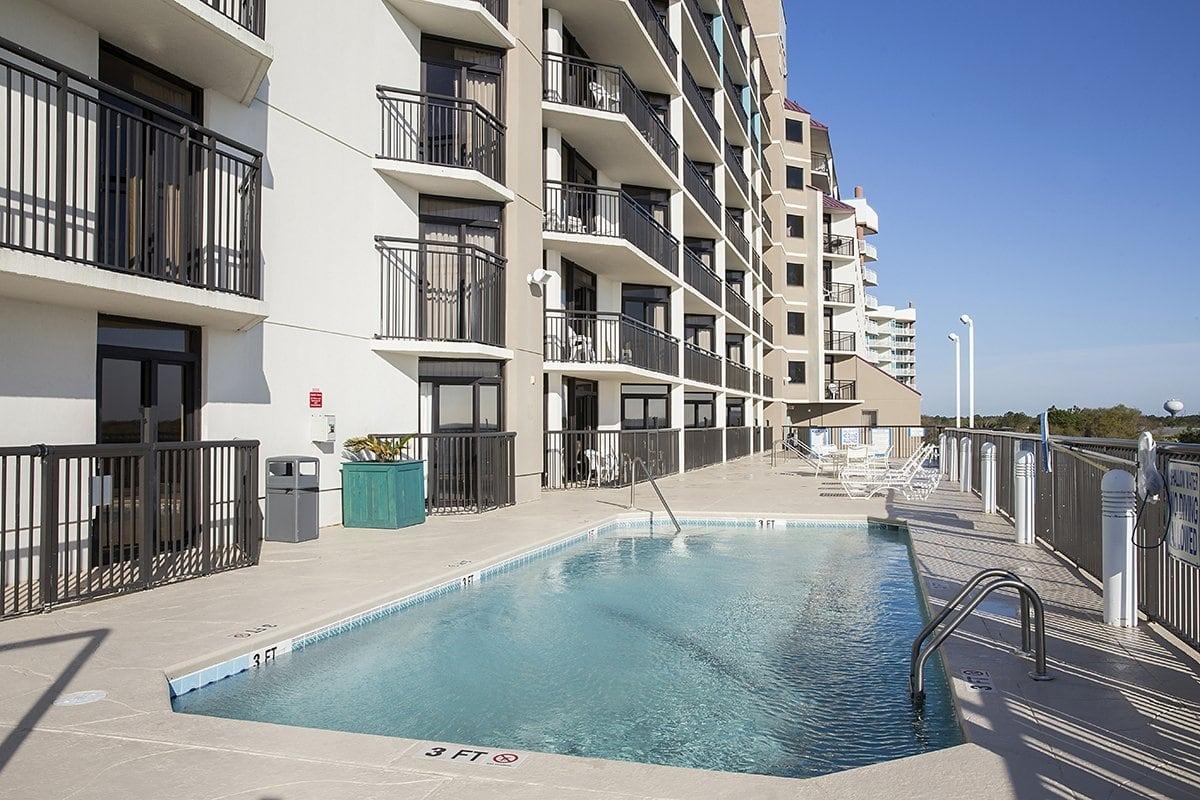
point(957, 380)
point(970, 323)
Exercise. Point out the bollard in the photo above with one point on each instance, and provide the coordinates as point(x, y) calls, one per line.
point(952, 462)
point(964, 465)
point(1023, 496)
point(987, 476)
point(1117, 517)
point(943, 462)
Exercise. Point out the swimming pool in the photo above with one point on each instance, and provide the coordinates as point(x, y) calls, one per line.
point(777, 651)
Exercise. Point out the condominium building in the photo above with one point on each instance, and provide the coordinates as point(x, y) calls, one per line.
point(548, 240)
point(891, 339)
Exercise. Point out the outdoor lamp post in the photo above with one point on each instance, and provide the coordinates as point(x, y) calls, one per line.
point(957, 380)
point(970, 323)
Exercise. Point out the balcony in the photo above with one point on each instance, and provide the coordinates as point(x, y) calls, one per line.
point(736, 237)
point(598, 343)
point(731, 26)
point(441, 145)
point(839, 293)
point(440, 299)
point(628, 32)
point(820, 164)
point(704, 33)
point(701, 191)
point(480, 21)
point(701, 365)
point(595, 224)
point(736, 305)
point(601, 112)
point(702, 107)
point(870, 277)
point(465, 473)
point(868, 250)
point(768, 332)
point(702, 447)
point(768, 277)
point(737, 376)
point(737, 442)
point(870, 302)
point(768, 386)
point(107, 210)
point(841, 390)
point(837, 245)
point(584, 458)
point(839, 341)
point(701, 278)
point(733, 93)
point(756, 325)
point(736, 166)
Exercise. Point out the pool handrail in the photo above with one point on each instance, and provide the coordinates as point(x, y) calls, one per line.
point(634, 461)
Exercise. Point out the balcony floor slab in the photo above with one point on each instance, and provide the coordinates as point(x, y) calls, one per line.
point(442, 180)
point(435, 349)
point(609, 256)
point(465, 20)
point(610, 143)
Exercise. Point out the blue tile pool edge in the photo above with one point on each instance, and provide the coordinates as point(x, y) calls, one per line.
point(237, 664)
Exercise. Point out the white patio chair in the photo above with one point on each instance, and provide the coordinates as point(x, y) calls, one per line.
point(604, 99)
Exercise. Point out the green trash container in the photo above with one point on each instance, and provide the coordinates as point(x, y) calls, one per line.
point(383, 494)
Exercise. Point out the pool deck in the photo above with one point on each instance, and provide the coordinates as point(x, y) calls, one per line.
point(1121, 719)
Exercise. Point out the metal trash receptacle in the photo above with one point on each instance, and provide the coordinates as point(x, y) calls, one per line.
point(293, 490)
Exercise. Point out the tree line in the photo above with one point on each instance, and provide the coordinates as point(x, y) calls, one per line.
point(1112, 422)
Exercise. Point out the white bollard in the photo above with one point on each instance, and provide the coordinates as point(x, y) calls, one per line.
point(964, 465)
point(952, 462)
point(987, 476)
point(1023, 496)
point(943, 461)
point(1117, 517)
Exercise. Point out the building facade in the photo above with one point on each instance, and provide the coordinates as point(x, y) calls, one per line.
point(544, 239)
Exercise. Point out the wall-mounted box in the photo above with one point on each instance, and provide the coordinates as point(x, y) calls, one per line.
point(323, 428)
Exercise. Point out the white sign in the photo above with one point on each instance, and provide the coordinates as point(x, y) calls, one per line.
point(916, 433)
point(851, 437)
point(1183, 485)
point(881, 437)
point(818, 437)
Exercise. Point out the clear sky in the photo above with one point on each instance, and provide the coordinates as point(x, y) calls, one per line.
point(1034, 164)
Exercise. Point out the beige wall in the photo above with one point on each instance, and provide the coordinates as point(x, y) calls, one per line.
point(893, 402)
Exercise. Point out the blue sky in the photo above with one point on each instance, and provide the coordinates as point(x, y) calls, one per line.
point(1034, 164)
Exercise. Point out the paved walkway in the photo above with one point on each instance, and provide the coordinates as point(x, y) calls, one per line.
point(1120, 719)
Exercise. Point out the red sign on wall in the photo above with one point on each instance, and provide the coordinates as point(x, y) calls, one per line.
point(315, 399)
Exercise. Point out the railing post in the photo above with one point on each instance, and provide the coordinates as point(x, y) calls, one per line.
point(1023, 497)
point(48, 556)
point(964, 466)
point(1119, 567)
point(60, 167)
point(952, 461)
point(987, 476)
point(149, 513)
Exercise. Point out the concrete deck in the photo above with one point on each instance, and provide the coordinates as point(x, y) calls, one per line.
point(1121, 719)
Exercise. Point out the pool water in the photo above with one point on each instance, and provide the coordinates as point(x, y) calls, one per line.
point(781, 652)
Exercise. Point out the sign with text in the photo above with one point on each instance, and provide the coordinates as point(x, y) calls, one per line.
point(881, 437)
point(316, 399)
point(1183, 486)
point(818, 437)
point(851, 437)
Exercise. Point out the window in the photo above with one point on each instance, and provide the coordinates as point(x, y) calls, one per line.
point(460, 396)
point(795, 322)
point(735, 413)
point(795, 226)
point(735, 349)
point(648, 304)
point(796, 372)
point(795, 177)
point(795, 130)
point(700, 330)
point(645, 407)
point(795, 274)
point(699, 410)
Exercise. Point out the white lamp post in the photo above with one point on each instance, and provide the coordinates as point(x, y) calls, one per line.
point(970, 323)
point(957, 380)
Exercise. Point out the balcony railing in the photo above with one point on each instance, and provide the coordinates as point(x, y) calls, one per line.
point(757, 382)
point(95, 175)
point(701, 190)
point(737, 168)
point(840, 390)
point(497, 8)
point(601, 337)
point(732, 27)
point(704, 27)
point(250, 14)
point(839, 341)
point(701, 365)
point(768, 277)
point(819, 163)
point(700, 277)
point(768, 386)
point(465, 472)
point(839, 293)
point(838, 245)
point(441, 130)
point(702, 105)
point(658, 32)
point(766, 126)
point(736, 236)
point(768, 331)
point(756, 322)
point(870, 276)
point(439, 291)
point(766, 173)
point(736, 304)
point(601, 211)
point(734, 93)
point(737, 443)
point(737, 376)
point(584, 458)
point(870, 301)
point(768, 229)
point(702, 446)
point(79, 522)
point(580, 82)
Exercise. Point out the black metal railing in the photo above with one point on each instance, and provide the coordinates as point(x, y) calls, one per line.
point(704, 26)
point(702, 447)
point(734, 94)
point(89, 176)
point(701, 190)
point(768, 331)
point(700, 277)
point(737, 305)
point(439, 129)
point(737, 376)
point(736, 236)
point(838, 245)
point(701, 365)
point(819, 162)
point(732, 27)
point(250, 14)
point(589, 84)
point(756, 321)
point(840, 341)
point(657, 30)
point(601, 211)
point(769, 229)
point(581, 458)
point(768, 386)
point(703, 106)
point(737, 443)
point(841, 390)
point(600, 337)
point(766, 127)
point(737, 167)
point(766, 171)
point(497, 8)
point(465, 472)
point(78, 522)
point(768, 277)
point(757, 381)
point(839, 293)
point(440, 291)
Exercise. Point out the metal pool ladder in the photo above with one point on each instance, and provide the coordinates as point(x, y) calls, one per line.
point(996, 579)
point(633, 465)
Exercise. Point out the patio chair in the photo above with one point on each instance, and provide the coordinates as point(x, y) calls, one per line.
point(602, 98)
point(583, 349)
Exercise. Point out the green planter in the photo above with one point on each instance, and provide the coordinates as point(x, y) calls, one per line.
point(378, 494)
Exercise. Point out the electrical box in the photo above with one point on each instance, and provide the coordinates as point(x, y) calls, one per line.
point(323, 427)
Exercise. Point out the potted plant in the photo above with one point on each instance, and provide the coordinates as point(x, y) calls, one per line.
point(381, 488)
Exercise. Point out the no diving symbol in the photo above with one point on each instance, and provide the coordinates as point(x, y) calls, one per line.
point(504, 758)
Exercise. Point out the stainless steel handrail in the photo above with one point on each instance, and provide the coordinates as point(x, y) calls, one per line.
point(917, 674)
point(633, 464)
point(958, 598)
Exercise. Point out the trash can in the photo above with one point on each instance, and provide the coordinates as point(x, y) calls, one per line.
point(293, 489)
